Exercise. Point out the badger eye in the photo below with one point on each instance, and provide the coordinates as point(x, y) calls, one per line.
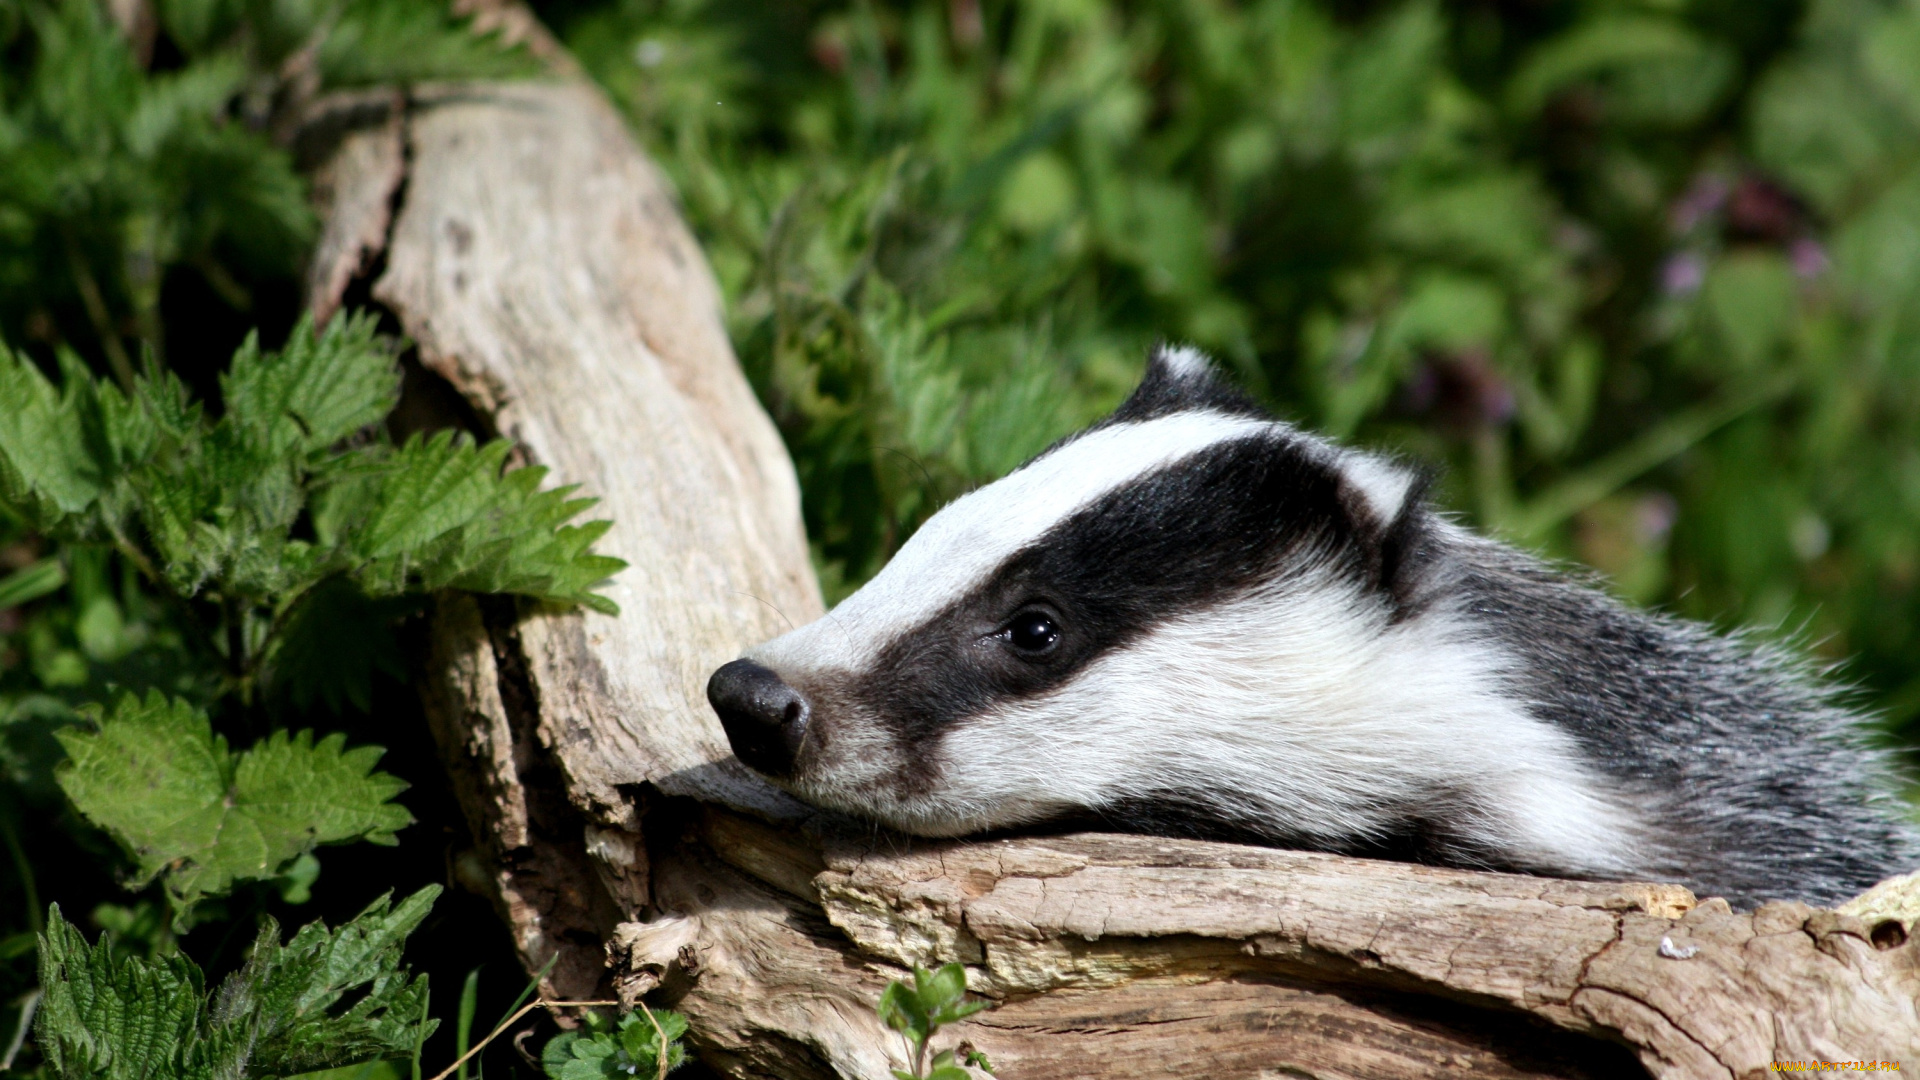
point(1033, 632)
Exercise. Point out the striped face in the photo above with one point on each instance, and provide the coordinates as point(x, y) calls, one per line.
point(1190, 616)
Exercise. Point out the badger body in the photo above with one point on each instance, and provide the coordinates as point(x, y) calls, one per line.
point(1194, 619)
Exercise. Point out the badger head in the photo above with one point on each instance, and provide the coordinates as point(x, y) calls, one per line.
point(1190, 617)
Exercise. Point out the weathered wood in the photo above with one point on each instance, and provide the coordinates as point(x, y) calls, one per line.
point(539, 263)
point(536, 258)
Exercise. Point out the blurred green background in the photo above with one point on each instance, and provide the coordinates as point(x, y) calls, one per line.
point(1642, 278)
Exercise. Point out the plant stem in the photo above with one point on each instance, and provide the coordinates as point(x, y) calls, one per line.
point(96, 304)
point(507, 1023)
point(660, 1040)
point(463, 1022)
point(234, 613)
point(34, 919)
point(141, 269)
point(223, 282)
point(1661, 443)
point(29, 1004)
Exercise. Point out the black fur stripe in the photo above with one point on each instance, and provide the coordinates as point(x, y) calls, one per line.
point(1236, 517)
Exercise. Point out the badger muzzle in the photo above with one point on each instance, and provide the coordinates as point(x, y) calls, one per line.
point(765, 719)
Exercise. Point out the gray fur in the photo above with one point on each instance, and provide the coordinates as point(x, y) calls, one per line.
point(1758, 782)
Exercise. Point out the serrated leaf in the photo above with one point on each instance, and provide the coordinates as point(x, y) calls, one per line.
point(197, 92)
point(315, 392)
point(156, 777)
point(442, 514)
point(49, 472)
point(113, 1015)
point(286, 997)
point(116, 1016)
point(385, 42)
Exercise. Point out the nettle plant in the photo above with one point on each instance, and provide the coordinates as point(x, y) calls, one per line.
point(644, 1043)
point(278, 542)
point(919, 1009)
point(321, 999)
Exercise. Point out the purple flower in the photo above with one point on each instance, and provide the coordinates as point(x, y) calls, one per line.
point(1809, 258)
point(1703, 200)
point(1683, 273)
point(1655, 516)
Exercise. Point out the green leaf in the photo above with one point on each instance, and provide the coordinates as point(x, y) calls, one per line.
point(371, 1070)
point(463, 1020)
point(287, 999)
point(175, 100)
point(114, 1015)
point(380, 41)
point(50, 470)
point(295, 881)
point(156, 777)
point(315, 392)
point(606, 1051)
point(900, 1009)
point(30, 583)
point(1659, 71)
point(940, 989)
point(921, 1008)
point(959, 1011)
point(442, 514)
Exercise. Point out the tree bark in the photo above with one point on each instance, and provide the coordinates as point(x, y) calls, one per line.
point(537, 260)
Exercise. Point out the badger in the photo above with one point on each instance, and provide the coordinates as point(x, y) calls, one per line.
point(1194, 619)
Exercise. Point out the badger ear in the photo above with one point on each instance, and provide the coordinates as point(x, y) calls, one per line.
point(1180, 378)
point(1386, 505)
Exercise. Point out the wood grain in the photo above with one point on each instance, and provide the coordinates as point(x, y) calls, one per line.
point(541, 267)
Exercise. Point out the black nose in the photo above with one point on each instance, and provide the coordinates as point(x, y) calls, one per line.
point(764, 717)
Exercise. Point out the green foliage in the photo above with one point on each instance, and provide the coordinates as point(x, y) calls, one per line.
point(112, 176)
point(30, 583)
point(642, 1044)
point(322, 999)
point(172, 573)
point(289, 512)
point(1641, 276)
point(265, 552)
point(155, 776)
point(918, 1010)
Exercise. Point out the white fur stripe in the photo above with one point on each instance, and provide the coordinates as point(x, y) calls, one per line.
point(959, 546)
point(1291, 710)
point(1186, 362)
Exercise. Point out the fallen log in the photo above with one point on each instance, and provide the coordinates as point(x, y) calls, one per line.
point(536, 258)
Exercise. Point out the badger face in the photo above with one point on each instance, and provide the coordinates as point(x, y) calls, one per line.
point(1189, 615)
